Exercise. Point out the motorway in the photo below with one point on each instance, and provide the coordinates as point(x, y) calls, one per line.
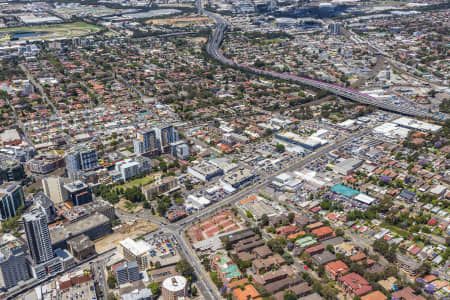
point(217, 37)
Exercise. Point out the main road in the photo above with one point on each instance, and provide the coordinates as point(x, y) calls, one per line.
point(178, 228)
point(44, 96)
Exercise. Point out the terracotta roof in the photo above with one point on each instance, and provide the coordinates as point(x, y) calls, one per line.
point(406, 294)
point(377, 295)
point(249, 292)
point(337, 267)
point(322, 231)
point(357, 284)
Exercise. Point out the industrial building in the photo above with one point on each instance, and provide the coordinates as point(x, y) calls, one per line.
point(347, 166)
point(94, 226)
point(417, 125)
point(237, 179)
point(310, 143)
point(194, 202)
point(204, 171)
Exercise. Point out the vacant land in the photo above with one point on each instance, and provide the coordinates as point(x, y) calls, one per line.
point(402, 232)
point(133, 231)
point(136, 182)
point(128, 206)
point(55, 31)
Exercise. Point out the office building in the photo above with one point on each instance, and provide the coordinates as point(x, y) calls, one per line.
point(334, 28)
point(41, 200)
point(54, 189)
point(48, 268)
point(11, 198)
point(80, 159)
point(20, 153)
point(127, 272)
point(174, 288)
point(38, 236)
point(78, 192)
point(10, 169)
point(138, 251)
point(13, 265)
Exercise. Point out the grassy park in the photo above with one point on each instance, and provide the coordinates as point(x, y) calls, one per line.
point(54, 31)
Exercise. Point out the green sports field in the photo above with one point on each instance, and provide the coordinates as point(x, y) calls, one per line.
point(55, 31)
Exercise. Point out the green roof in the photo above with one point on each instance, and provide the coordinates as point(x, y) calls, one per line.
point(231, 271)
point(344, 190)
point(305, 241)
point(222, 260)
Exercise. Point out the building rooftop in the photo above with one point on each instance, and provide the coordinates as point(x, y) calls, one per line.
point(248, 292)
point(34, 215)
point(205, 168)
point(80, 242)
point(137, 294)
point(75, 186)
point(237, 176)
point(64, 232)
point(136, 247)
point(174, 283)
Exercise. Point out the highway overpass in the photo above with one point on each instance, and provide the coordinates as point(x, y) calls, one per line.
point(217, 37)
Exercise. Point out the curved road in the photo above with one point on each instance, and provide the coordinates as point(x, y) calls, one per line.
point(217, 37)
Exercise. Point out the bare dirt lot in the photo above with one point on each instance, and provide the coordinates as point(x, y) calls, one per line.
point(132, 231)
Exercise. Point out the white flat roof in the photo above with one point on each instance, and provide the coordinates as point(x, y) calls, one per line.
point(416, 124)
point(174, 283)
point(364, 199)
point(137, 248)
